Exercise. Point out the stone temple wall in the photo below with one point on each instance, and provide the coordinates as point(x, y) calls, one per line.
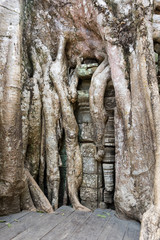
point(98, 178)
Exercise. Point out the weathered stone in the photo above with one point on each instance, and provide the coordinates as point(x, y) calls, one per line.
point(84, 85)
point(110, 89)
point(102, 205)
point(88, 150)
point(83, 115)
point(83, 97)
point(157, 5)
point(109, 103)
point(108, 197)
point(109, 133)
point(89, 165)
point(109, 142)
point(90, 205)
point(156, 28)
point(89, 194)
point(86, 132)
point(85, 71)
point(110, 126)
point(156, 57)
point(92, 181)
point(157, 48)
point(109, 156)
point(108, 171)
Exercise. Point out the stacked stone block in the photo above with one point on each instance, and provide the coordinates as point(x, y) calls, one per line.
point(90, 192)
point(98, 178)
point(109, 142)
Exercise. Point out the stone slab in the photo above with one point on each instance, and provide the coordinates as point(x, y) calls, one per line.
point(89, 204)
point(92, 181)
point(86, 132)
point(109, 103)
point(109, 156)
point(90, 165)
point(89, 194)
point(88, 150)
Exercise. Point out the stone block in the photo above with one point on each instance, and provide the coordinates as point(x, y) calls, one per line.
point(108, 197)
point(157, 48)
point(90, 205)
point(83, 97)
point(85, 71)
point(86, 132)
point(88, 150)
point(90, 165)
point(92, 181)
point(156, 57)
point(110, 113)
point(83, 116)
point(109, 156)
point(109, 141)
point(110, 89)
point(89, 194)
point(110, 126)
point(108, 171)
point(109, 103)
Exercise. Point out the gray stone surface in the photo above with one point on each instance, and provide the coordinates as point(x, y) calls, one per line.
point(109, 156)
point(109, 103)
point(86, 132)
point(92, 180)
point(85, 71)
point(108, 171)
point(89, 194)
point(108, 197)
point(84, 115)
point(89, 204)
point(88, 150)
point(90, 165)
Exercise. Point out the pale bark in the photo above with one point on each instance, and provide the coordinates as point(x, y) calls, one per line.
point(96, 98)
point(11, 163)
point(128, 50)
point(42, 61)
point(14, 191)
point(40, 201)
point(58, 74)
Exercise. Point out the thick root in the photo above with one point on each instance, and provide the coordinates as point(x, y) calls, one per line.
point(51, 110)
point(39, 199)
point(150, 228)
point(96, 98)
point(58, 73)
point(26, 200)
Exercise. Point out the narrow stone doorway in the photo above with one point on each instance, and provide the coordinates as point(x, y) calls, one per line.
point(97, 188)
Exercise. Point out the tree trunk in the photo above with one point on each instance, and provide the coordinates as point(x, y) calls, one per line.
point(14, 193)
point(11, 163)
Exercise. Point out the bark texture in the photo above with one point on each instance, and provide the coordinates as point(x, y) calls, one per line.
point(129, 44)
point(14, 191)
point(11, 161)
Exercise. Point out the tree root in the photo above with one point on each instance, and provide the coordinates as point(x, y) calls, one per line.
point(58, 73)
point(51, 110)
point(150, 228)
point(96, 99)
point(39, 199)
